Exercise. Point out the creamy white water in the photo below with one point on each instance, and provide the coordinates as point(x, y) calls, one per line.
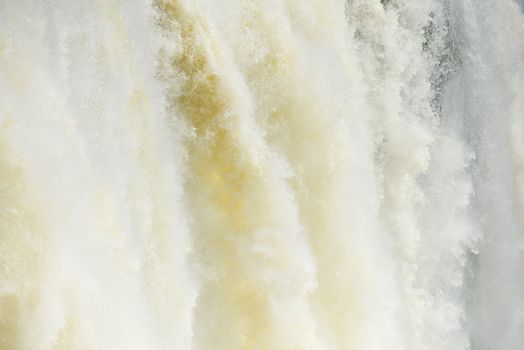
point(261, 174)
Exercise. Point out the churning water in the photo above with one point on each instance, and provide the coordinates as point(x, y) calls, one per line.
point(261, 174)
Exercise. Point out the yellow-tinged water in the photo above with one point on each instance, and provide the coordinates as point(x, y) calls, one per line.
point(261, 174)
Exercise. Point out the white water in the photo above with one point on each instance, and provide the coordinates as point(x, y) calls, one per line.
point(261, 174)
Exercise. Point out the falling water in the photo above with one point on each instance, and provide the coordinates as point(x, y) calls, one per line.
point(261, 174)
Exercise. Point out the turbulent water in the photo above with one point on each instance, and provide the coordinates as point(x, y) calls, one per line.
point(261, 174)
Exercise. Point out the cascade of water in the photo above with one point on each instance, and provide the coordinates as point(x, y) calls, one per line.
point(261, 174)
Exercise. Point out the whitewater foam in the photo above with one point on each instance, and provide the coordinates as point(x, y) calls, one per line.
point(216, 174)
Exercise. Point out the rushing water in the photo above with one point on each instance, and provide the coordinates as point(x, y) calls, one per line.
point(261, 174)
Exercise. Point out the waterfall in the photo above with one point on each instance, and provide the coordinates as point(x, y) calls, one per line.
point(261, 174)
